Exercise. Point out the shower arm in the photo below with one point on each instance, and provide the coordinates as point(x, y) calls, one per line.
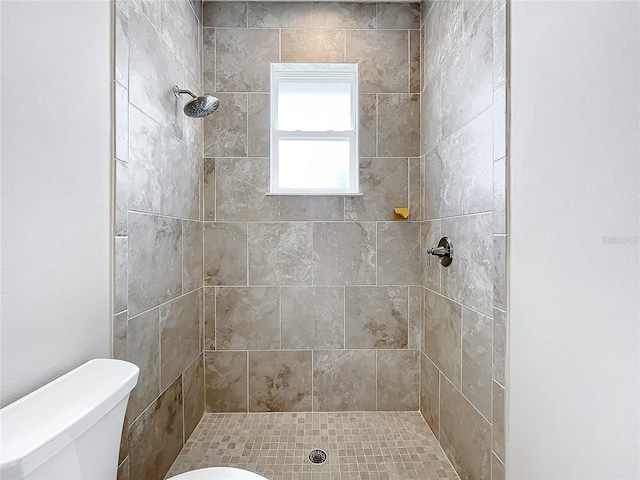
point(177, 92)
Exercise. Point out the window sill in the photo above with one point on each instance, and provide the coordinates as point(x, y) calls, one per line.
point(309, 194)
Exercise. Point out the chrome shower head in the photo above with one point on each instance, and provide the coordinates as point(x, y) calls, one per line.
point(197, 107)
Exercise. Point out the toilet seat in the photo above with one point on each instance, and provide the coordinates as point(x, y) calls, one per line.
point(218, 473)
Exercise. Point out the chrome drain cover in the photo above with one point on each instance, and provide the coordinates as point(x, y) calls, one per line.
point(317, 456)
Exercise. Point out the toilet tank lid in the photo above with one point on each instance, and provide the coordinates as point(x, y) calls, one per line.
point(37, 426)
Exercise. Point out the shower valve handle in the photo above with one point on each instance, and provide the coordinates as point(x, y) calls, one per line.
point(444, 251)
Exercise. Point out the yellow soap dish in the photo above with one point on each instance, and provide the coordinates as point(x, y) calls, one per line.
point(401, 212)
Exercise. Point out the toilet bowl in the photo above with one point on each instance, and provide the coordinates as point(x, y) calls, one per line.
point(218, 473)
point(70, 428)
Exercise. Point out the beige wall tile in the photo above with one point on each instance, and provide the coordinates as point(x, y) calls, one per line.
point(155, 438)
point(499, 345)
point(443, 28)
point(499, 271)
point(398, 125)
point(258, 125)
point(143, 350)
point(384, 186)
point(225, 132)
point(209, 57)
point(193, 388)
point(498, 421)
point(313, 45)
point(398, 15)
point(376, 317)
point(312, 317)
point(499, 196)
point(344, 253)
point(225, 253)
point(430, 394)
point(383, 59)
point(415, 195)
point(398, 377)
point(247, 318)
point(121, 198)
point(280, 15)
point(367, 135)
point(464, 434)
point(497, 468)
point(224, 14)
point(344, 15)
point(280, 253)
point(477, 360)
point(415, 317)
point(192, 275)
point(209, 318)
point(398, 247)
point(499, 43)
point(180, 330)
point(344, 380)
point(280, 381)
point(120, 274)
point(442, 334)
point(225, 380)
point(209, 189)
point(430, 117)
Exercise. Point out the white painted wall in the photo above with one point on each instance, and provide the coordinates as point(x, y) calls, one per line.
point(56, 189)
point(573, 383)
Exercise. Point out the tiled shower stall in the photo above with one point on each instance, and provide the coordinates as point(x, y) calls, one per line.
point(233, 301)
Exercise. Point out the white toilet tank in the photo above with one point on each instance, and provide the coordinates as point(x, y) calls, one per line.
point(70, 428)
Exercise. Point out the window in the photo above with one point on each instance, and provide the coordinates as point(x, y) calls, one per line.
point(314, 128)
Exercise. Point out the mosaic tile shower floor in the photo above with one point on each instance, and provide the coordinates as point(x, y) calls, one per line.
point(359, 446)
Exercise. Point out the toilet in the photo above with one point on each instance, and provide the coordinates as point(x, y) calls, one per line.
point(70, 428)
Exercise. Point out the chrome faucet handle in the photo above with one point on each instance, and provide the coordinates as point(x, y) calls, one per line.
point(444, 250)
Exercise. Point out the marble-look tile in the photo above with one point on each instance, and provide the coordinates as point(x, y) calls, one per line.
point(465, 435)
point(471, 9)
point(209, 318)
point(415, 200)
point(258, 125)
point(497, 468)
point(122, 46)
point(121, 122)
point(120, 274)
point(384, 186)
point(280, 14)
point(461, 173)
point(383, 59)
point(441, 334)
point(499, 272)
point(280, 253)
point(313, 45)
point(192, 256)
point(398, 380)
point(164, 173)
point(143, 350)
point(312, 208)
point(477, 360)
point(225, 132)
point(243, 57)
point(209, 189)
point(241, 187)
point(209, 55)
point(312, 317)
point(192, 128)
point(180, 329)
point(376, 317)
point(500, 121)
point(433, 181)
point(155, 261)
point(368, 119)
point(425, 9)
point(152, 73)
point(247, 318)
point(499, 344)
point(414, 61)
point(399, 125)
point(415, 318)
point(121, 198)
point(344, 253)
point(225, 381)
point(499, 196)
point(120, 336)
point(197, 7)
point(497, 421)
point(430, 236)
point(398, 16)
point(398, 247)
point(224, 14)
point(225, 253)
point(344, 15)
point(193, 388)
point(430, 121)
point(155, 438)
point(467, 82)
point(123, 470)
point(469, 279)
point(499, 46)
point(280, 381)
point(443, 29)
point(344, 380)
point(430, 394)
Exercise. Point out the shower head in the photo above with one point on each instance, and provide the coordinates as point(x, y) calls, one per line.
point(197, 107)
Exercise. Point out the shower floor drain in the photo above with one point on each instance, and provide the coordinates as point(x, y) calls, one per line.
point(317, 456)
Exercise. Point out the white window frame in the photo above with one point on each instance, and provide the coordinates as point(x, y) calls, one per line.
point(314, 72)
